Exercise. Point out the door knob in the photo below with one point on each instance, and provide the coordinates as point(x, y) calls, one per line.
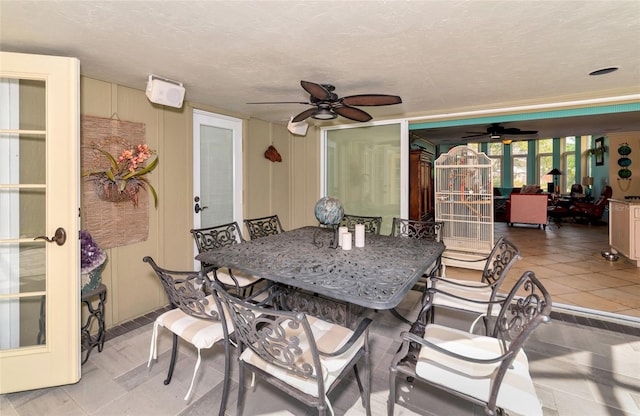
point(60, 237)
point(197, 208)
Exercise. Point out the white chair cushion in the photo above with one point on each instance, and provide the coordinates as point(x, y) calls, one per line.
point(517, 393)
point(329, 337)
point(202, 333)
point(480, 292)
point(244, 279)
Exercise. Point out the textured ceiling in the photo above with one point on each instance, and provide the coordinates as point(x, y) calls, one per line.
point(439, 56)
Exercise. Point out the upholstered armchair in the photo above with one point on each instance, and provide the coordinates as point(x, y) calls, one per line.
point(592, 212)
point(527, 209)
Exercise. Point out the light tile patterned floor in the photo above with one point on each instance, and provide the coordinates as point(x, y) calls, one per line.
point(578, 369)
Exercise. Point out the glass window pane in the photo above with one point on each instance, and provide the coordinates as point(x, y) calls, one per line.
point(494, 149)
point(29, 98)
point(216, 176)
point(23, 212)
point(545, 146)
point(29, 170)
point(496, 171)
point(519, 175)
point(363, 171)
point(32, 168)
point(570, 144)
point(545, 166)
point(570, 170)
point(520, 148)
point(29, 329)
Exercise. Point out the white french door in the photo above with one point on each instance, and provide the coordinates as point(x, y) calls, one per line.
point(217, 170)
point(39, 221)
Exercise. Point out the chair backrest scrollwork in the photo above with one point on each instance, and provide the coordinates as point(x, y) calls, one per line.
point(218, 236)
point(264, 226)
point(431, 230)
point(185, 291)
point(502, 257)
point(281, 338)
point(371, 224)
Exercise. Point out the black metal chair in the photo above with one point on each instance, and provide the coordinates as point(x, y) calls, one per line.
point(211, 238)
point(194, 317)
point(301, 355)
point(371, 224)
point(263, 226)
point(471, 296)
point(490, 370)
point(430, 230)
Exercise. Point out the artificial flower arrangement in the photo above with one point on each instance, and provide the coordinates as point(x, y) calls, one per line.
point(125, 176)
point(92, 258)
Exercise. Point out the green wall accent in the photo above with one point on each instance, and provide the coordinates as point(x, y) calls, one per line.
point(573, 112)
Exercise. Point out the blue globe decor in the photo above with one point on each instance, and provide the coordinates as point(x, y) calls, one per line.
point(329, 211)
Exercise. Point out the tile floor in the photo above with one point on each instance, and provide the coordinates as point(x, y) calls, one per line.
point(581, 363)
point(568, 261)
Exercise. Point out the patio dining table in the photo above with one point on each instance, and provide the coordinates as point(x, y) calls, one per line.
point(376, 276)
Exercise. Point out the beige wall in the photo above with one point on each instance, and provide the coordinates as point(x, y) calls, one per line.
point(289, 188)
point(269, 188)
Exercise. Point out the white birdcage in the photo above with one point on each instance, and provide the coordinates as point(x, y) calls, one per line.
point(464, 202)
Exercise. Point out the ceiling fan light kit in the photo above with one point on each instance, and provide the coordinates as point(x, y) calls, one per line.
point(496, 131)
point(324, 113)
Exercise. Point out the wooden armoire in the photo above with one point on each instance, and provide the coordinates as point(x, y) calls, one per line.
point(420, 185)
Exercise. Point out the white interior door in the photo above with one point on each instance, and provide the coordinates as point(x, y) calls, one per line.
point(39, 183)
point(217, 174)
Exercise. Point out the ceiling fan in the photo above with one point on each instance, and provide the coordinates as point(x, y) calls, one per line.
point(327, 105)
point(496, 131)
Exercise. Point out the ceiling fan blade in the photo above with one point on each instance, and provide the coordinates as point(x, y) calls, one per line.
point(372, 99)
point(352, 113)
point(518, 131)
point(475, 134)
point(282, 102)
point(316, 90)
point(304, 115)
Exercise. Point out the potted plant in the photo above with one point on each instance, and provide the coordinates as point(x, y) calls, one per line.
point(125, 176)
point(92, 260)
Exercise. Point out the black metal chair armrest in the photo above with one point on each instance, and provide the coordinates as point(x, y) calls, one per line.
point(431, 290)
point(435, 279)
point(408, 337)
point(362, 327)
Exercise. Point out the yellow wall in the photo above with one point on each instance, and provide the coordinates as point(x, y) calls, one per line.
point(269, 188)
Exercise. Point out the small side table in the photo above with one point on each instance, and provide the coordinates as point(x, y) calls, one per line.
point(95, 314)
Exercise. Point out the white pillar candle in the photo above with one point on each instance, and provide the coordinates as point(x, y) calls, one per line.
point(346, 241)
point(341, 230)
point(359, 235)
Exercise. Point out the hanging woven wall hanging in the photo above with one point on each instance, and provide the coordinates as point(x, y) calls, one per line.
point(113, 219)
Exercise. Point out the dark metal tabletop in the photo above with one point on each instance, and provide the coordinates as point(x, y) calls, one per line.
point(376, 276)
